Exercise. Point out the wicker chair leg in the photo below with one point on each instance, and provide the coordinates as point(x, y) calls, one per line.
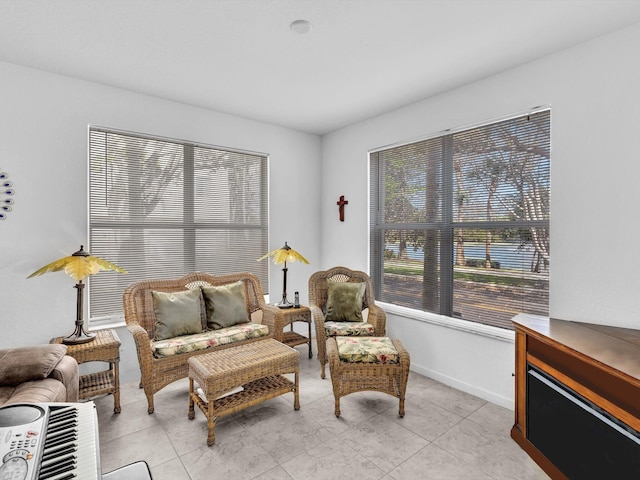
point(192, 412)
point(296, 392)
point(405, 362)
point(322, 375)
point(211, 424)
point(149, 404)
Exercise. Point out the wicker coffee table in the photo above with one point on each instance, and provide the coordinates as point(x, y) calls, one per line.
point(356, 368)
point(257, 367)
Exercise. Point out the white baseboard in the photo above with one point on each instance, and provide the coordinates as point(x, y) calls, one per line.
point(465, 387)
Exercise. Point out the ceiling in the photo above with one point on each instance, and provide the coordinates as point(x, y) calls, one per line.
point(361, 58)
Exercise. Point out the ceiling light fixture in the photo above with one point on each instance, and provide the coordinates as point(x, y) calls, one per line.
point(300, 26)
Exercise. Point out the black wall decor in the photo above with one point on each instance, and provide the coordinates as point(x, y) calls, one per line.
point(6, 194)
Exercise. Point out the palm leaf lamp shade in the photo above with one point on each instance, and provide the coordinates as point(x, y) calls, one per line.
point(78, 266)
point(282, 256)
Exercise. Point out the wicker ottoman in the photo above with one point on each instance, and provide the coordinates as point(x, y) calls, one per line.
point(367, 363)
point(257, 367)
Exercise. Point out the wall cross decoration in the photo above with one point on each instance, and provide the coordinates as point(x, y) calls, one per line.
point(341, 203)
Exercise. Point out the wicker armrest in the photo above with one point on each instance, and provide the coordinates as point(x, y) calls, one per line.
point(321, 338)
point(273, 318)
point(318, 320)
point(378, 318)
point(332, 351)
point(403, 354)
point(317, 315)
point(141, 337)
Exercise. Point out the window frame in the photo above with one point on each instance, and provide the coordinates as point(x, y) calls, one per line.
point(187, 224)
point(447, 226)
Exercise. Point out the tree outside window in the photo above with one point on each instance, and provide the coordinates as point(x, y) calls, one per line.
point(166, 207)
point(460, 222)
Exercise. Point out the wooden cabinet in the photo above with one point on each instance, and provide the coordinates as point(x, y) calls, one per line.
point(577, 399)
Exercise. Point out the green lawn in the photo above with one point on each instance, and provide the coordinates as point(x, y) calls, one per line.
point(494, 277)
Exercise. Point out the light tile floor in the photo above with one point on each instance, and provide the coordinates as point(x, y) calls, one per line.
point(445, 434)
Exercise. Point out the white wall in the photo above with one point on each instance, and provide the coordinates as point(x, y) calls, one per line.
point(44, 122)
point(593, 91)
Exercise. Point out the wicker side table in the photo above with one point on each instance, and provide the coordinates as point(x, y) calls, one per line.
point(291, 315)
point(105, 347)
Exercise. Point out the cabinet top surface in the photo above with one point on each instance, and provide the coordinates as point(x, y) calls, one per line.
point(616, 347)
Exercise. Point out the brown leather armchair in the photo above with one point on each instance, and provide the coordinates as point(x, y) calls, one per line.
point(40, 373)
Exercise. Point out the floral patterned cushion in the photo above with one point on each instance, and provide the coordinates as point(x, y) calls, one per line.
point(334, 329)
point(210, 338)
point(367, 350)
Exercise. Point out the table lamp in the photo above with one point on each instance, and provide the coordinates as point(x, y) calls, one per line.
point(78, 266)
point(283, 255)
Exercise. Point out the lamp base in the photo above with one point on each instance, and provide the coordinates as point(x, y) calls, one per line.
point(284, 303)
point(75, 340)
point(79, 336)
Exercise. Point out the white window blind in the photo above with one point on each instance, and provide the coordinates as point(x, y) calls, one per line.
point(460, 222)
point(161, 208)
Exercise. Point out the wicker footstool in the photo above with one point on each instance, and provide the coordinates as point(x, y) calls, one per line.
point(367, 363)
point(257, 367)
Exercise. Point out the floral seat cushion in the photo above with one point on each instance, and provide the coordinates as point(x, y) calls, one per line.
point(209, 338)
point(358, 329)
point(366, 350)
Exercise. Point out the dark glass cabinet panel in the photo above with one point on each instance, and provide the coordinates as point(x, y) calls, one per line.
point(581, 439)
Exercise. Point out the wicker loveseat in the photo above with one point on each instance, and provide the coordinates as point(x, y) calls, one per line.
point(165, 361)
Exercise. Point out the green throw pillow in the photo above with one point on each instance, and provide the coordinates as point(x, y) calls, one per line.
point(344, 301)
point(226, 305)
point(177, 313)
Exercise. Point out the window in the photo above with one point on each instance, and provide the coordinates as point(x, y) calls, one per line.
point(459, 223)
point(161, 208)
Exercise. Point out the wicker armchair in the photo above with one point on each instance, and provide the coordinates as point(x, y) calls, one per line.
point(158, 372)
point(318, 293)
